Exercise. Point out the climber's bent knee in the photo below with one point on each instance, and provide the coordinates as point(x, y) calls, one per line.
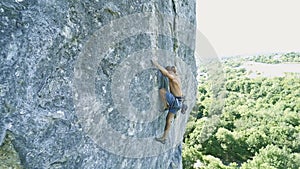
point(162, 91)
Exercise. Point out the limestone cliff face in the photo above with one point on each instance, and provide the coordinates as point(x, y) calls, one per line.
point(77, 86)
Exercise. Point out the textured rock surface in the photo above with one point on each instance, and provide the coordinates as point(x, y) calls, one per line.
point(61, 78)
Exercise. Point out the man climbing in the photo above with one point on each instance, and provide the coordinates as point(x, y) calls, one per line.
point(172, 100)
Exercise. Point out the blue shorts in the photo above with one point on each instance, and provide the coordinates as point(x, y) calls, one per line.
point(174, 104)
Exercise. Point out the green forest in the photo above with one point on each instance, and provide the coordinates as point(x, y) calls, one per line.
point(259, 127)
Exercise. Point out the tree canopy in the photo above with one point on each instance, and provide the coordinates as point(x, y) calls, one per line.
point(260, 122)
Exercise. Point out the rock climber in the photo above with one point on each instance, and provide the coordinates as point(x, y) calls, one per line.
point(172, 99)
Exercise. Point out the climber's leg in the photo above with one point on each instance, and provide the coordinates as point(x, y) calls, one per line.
point(163, 81)
point(169, 119)
point(163, 85)
point(162, 93)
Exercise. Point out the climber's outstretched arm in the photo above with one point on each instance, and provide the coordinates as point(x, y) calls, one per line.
point(162, 69)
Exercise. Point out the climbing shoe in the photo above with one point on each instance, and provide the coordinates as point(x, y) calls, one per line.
point(162, 141)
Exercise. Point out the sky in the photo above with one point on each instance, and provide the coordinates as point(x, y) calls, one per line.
point(250, 27)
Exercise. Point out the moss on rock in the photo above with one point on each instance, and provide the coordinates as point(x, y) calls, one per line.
point(9, 158)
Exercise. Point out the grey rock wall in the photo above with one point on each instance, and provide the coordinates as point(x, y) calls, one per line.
point(77, 87)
